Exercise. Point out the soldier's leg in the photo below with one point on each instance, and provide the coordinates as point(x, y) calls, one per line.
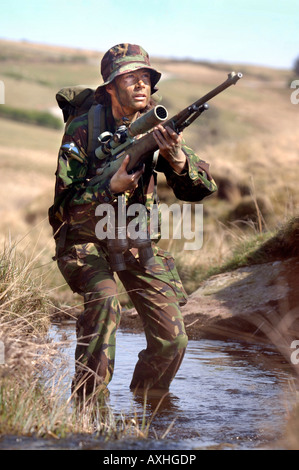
point(96, 330)
point(87, 271)
point(157, 304)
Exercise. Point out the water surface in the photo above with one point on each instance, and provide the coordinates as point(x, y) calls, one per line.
point(226, 394)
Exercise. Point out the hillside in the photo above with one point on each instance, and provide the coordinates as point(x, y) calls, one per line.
point(248, 136)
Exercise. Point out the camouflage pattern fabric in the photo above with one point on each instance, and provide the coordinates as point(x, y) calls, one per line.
point(78, 207)
point(155, 291)
point(124, 58)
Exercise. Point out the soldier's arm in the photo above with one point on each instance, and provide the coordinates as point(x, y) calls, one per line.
point(194, 182)
point(72, 171)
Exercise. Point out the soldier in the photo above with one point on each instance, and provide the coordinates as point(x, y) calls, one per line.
point(155, 290)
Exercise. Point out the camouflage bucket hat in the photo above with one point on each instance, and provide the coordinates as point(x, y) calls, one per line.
point(124, 58)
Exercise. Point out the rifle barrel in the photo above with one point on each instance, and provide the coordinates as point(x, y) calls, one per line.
point(232, 79)
point(146, 145)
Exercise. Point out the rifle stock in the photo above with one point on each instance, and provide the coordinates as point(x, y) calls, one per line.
point(139, 150)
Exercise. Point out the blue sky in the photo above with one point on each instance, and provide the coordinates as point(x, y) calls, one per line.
point(264, 32)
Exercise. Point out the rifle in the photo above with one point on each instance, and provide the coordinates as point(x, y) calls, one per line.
point(125, 142)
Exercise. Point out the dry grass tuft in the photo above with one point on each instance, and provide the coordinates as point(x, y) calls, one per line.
point(35, 397)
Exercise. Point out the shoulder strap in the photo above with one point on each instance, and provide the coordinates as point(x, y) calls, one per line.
point(96, 125)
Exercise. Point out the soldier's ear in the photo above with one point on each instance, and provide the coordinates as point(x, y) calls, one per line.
point(110, 88)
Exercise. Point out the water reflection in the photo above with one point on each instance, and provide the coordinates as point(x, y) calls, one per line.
point(224, 392)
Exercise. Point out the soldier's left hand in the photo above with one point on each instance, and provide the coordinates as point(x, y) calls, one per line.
point(170, 146)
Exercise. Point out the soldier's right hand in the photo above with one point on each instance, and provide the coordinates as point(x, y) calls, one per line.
point(122, 181)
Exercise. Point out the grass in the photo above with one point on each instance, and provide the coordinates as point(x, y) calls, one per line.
point(38, 118)
point(34, 400)
point(23, 301)
point(248, 248)
point(195, 268)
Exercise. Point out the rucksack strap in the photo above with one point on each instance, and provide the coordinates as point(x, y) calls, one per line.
point(96, 125)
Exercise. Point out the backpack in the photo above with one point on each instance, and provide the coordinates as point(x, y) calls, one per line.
point(75, 101)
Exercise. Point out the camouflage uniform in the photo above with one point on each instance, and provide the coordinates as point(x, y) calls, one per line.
point(156, 291)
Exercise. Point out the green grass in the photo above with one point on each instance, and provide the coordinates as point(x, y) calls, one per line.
point(28, 408)
point(32, 116)
point(250, 249)
point(20, 136)
point(19, 75)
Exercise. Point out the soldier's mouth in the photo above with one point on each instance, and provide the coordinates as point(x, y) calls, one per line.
point(139, 97)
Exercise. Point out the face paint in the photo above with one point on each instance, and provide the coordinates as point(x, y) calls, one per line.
point(131, 91)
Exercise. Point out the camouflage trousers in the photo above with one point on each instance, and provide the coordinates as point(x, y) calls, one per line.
point(156, 293)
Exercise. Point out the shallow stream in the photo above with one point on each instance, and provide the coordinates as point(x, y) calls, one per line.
point(226, 394)
point(225, 391)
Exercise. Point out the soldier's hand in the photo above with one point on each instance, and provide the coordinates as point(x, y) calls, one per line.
point(170, 146)
point(122, 181)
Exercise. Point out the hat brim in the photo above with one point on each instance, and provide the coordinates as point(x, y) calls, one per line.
point(155, 77)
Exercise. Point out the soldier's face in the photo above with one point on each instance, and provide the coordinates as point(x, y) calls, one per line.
point(131, 90)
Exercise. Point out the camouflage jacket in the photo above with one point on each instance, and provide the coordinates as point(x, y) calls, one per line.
point(75, 201)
